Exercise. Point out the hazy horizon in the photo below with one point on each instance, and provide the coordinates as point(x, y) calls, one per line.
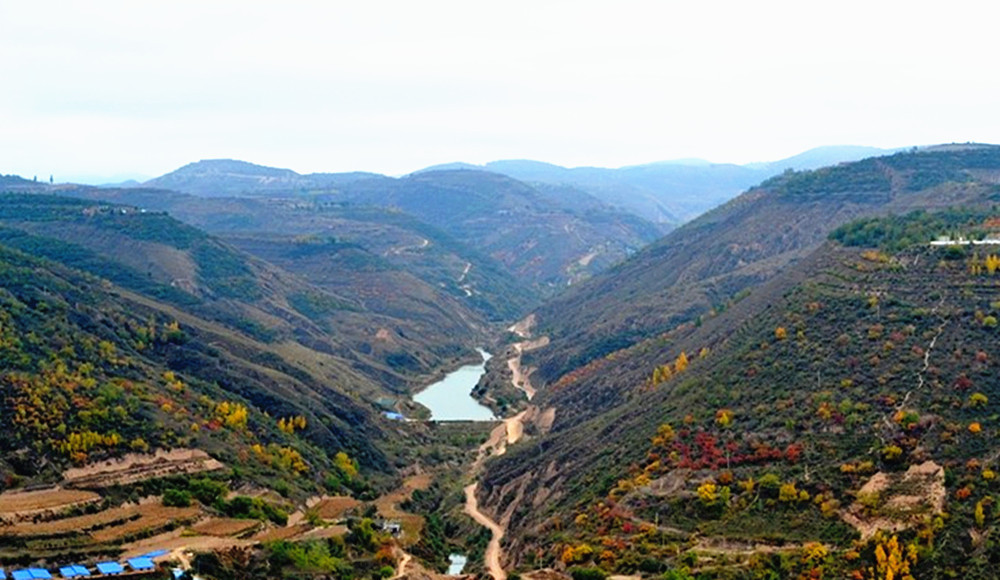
point(125, 176)
point(112, 89)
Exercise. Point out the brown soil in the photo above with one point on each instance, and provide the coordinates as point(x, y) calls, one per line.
point(521, 377)
point(151, 517)
point(904, 499)
point(225, 527)
point(178, 543)
point(139, 467)
point(546, 574)
point(334, 508)
point(523, 327)
point(285, 533)
point(17, 506)
point(74, 524)
point(323, 533)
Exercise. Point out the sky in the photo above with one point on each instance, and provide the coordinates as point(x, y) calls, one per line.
point(101, 90)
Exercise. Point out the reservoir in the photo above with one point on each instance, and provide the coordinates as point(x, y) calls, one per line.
point(450, 399)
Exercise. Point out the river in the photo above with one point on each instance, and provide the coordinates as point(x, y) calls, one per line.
point(450, 399)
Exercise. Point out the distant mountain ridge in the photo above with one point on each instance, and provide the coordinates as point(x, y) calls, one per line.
point(226, 177)
point(671, 191)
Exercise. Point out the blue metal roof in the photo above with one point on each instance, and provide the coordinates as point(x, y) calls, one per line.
point(21, 574)
point(110, 568)
point(81, 570)
point(141, 563)
point(39, 573)
point(3, 575)
point(73, 571)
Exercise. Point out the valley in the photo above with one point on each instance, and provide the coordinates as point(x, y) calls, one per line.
point(268, 374)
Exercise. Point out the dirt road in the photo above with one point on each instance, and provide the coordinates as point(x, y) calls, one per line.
point(506, 433)
point(520, 377)
point(493, 552)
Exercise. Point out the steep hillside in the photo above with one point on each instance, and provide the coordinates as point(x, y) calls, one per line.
point(92, 371)
point(393, 259)
point(708, 262)
point(541, 240)
point(837, 422)
point(546, 238)
point(151, 253)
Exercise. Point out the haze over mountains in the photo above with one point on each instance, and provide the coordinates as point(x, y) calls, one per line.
point(669, 192)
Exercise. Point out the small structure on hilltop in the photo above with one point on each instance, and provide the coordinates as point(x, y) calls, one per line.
point(961, 241)
point(391, 527)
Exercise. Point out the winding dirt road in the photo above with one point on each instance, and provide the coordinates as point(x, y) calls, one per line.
point(506, 433)
point(520, 377)
point(492, 556)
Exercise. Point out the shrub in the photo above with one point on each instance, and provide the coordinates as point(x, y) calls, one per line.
point(176, 498)
point(589, 573)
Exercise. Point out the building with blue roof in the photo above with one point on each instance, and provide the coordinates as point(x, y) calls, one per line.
point(31, 574)
point(141, 563)
point(110, 568)
point(3, 575)
point(74, 571)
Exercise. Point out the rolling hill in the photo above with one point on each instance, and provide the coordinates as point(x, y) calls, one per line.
point(545, 237)
point(152, 253)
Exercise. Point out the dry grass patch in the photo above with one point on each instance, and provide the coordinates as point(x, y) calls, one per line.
point(18, 506)
point(285, 533)
point(334, 508)
point(80, 524)
point(225, 527)
point(152, 517)
point(139, 467)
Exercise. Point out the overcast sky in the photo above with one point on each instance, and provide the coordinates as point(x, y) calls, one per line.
point(98, 89)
